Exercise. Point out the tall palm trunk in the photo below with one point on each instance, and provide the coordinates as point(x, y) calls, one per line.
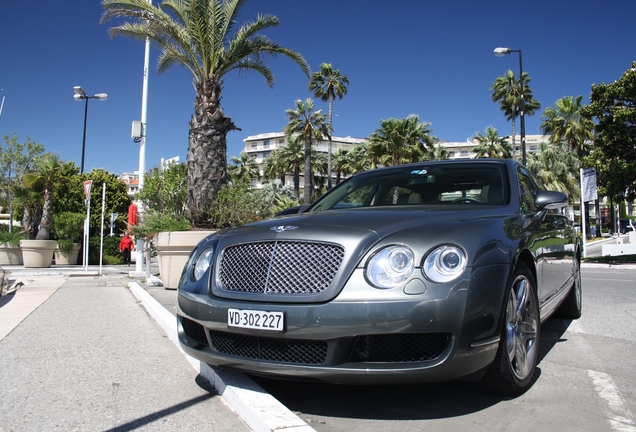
point(308, 188)
point(329, 148)
point(207, 151)
point(297, 180)
point(47, 212)
point(514, 131)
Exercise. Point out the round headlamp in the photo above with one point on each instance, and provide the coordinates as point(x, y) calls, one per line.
point(445, 263)
point(202, 263)
point(390, 267)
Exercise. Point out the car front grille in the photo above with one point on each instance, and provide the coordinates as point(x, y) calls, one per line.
point(279, 267)
point(400, 348)
point(271, 349)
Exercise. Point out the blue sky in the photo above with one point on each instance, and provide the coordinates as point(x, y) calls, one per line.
point(431, 58)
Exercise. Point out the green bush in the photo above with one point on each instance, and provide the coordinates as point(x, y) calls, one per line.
point(111, 254)
point(154, 222)
point(13, 238)
point(68, 228)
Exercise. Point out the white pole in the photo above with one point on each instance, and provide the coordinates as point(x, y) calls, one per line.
point(86, 231)
point(142, 149)
point(101, 241)
point(584, 236)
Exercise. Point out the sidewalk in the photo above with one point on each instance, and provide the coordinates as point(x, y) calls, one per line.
point(78, 353)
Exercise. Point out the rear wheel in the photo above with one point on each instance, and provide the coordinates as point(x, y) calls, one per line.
point(512, 371)
point(571, 306)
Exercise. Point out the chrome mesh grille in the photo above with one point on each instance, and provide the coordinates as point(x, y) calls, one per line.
point(279, 267)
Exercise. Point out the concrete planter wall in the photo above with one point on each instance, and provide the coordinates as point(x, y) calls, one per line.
point(10, 255)
point(37, 253)
point(70, 259)
point(173, 249)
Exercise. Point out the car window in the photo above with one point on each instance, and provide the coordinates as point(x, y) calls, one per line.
point(427, 184)
point(528, 189)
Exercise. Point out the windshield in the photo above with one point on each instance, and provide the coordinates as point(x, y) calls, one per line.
point(425, 184)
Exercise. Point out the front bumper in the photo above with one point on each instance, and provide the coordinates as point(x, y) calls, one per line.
point(362, 336)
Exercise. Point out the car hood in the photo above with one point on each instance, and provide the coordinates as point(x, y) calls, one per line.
point(360, 232)
point(359, 229)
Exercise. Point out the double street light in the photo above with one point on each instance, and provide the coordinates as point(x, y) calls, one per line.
point(79, 95)
point(500, 52)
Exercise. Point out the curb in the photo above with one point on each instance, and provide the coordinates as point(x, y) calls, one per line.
point(257, 408)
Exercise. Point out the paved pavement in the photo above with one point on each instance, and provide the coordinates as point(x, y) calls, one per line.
point(77, 352)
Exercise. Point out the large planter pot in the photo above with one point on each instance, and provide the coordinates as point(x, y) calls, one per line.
point(37, 253)
point(173, 249)
point(10, 255)
point(67, 259)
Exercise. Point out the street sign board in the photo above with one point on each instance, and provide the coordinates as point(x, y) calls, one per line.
point(87, 188)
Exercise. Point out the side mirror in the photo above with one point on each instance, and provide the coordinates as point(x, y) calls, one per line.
point(551, 200)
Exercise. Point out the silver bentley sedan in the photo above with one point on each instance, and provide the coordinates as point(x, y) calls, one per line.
point(424, 272)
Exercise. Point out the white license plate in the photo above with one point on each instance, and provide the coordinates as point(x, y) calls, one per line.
point(255, 319)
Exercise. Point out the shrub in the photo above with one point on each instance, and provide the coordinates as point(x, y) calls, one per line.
point(154, 222)
point(67, 229)
point(110, 255)
point(13, 238)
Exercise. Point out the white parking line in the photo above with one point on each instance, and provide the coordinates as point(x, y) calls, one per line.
point(616, 411)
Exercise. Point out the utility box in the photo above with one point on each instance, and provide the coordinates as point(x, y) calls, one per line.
point(137, 130)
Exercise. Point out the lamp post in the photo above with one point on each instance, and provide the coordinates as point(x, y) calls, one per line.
point(79, 95)
point(500, 52)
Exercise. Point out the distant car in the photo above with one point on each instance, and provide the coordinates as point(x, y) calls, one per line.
point(625, 226)
point(415, 273)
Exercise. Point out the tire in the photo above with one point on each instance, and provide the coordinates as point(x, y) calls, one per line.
point(512, 371)
point(571, 306)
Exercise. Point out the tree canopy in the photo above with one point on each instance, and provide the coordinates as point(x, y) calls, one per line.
point(201, 35)
point(613, 109)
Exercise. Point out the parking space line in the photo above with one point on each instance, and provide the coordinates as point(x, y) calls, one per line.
point(617, 412)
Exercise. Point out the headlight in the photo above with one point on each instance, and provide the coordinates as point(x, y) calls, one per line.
point(445, 263)
point(390, 267)
point(202, 263)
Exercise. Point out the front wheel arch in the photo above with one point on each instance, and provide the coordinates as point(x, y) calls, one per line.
point(513, 369)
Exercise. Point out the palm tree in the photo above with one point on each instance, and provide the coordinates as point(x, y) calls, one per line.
point(556, 166)
point(31, 201)
point(340, 166)
point(327, 84)
point(49, 166)
point(438, 152)
point(564, 122)
point(308, 126)
point(492, 145)
point(361, 158)
point(401, 140)
point(244, 167)
point(197, 34)
point(506, 90)
point(286, 159)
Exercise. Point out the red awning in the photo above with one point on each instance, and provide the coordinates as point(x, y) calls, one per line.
point(132, 215)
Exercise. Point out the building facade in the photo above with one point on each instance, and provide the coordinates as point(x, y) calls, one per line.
point(262, 145)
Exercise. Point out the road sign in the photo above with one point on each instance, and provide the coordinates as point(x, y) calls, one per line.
point(87, 188)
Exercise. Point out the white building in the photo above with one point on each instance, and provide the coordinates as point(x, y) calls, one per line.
point(260, 146)
point(466, 149)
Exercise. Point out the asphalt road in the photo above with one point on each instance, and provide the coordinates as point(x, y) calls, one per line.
point(585, 381)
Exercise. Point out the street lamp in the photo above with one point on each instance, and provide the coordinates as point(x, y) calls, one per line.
point(500, 52)
point(79, 95)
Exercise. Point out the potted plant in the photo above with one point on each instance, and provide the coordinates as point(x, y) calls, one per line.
point(173, 241)
point(10, 252)
point(67, 228)
point(39, 252)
